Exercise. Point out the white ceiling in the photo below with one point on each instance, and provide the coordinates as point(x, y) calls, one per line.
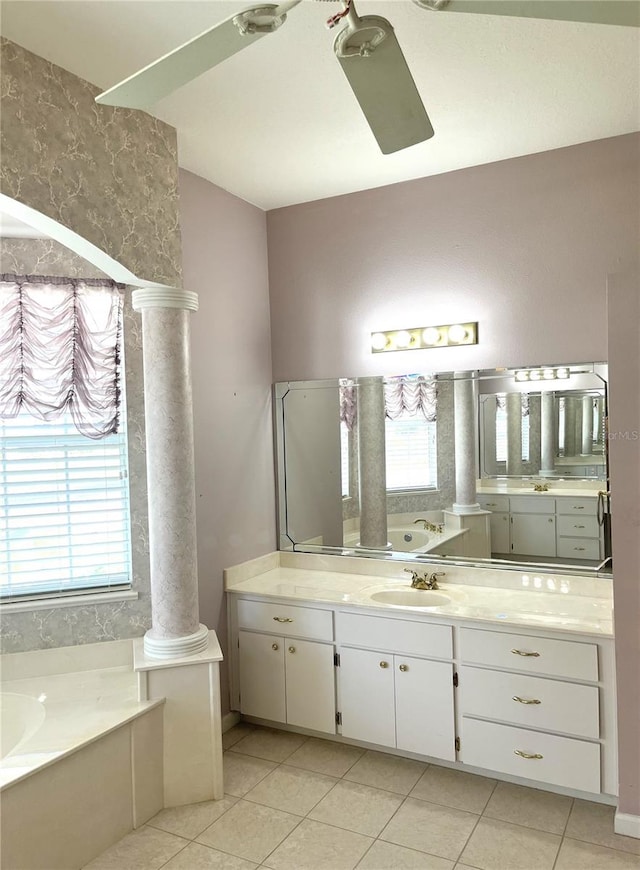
point(278, 124)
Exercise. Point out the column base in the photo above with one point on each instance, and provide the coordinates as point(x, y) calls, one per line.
point(176, 647)
point(464, 509)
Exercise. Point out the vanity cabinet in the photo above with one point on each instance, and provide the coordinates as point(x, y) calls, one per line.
point(537, 525)
point(390, 696)
point(544, 727)
point(283, 677)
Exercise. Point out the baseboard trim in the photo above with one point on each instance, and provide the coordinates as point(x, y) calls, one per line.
point(229, 720)
point(625, 823)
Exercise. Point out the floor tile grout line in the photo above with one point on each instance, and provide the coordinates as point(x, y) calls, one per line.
point(564, 832)
point(164, 864)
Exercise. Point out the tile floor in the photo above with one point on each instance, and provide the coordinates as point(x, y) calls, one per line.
point(299, 803)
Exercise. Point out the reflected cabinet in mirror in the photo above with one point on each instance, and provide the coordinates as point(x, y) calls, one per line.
point(506, 467)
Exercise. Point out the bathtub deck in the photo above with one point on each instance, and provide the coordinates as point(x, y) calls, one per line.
point(80, 708)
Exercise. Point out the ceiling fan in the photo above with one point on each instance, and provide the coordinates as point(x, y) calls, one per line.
point(366, 48)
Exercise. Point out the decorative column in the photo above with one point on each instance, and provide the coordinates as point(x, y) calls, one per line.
point(175, 628)
point(547, 435)
point(514, 433)
point(466, 514)
point(179, 659)
point(569, 426)
point(587, 426)
point(465, 443)
point(372, 464)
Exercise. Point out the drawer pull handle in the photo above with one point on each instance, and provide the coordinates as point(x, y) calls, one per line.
point(520, 652)
point(578, 527)
point(404, 668)
point(384, 664)
point(526, 700)
point(578, 548)
point(274, 646)
point(526, 754)
point(492, 504)
point(578, 507)
point(282, 619)
point(292, 649)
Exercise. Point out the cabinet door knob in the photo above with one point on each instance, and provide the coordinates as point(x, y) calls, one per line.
point(404, 668)
point(521, 652)
point(384, 664)
point(526, 754)
point(526, 700)
point(275, 646)
point(282, 619)
point(292, 649)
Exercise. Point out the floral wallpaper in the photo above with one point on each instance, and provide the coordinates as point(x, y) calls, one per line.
point(109, 174)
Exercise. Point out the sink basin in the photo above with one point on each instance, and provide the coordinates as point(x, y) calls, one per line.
point(411, 597)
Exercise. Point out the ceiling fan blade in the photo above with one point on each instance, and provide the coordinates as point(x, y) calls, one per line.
point(621, 12)
point(383, 85)
point(168, 73)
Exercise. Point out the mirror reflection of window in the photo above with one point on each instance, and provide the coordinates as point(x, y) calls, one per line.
point(344, 459)
point(501, 435)
point(411, 457)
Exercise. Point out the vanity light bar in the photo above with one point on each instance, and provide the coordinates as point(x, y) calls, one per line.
point(543, 374)
point(423, 337)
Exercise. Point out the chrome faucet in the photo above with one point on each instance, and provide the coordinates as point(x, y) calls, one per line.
point(427, 582)
point(430, 527)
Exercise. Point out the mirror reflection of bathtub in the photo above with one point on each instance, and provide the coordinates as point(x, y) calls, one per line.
point(320, 461)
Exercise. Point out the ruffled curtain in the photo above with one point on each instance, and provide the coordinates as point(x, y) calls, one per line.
point(348, 403)
point(413, 394)
point(501, 402)
point(61, 348)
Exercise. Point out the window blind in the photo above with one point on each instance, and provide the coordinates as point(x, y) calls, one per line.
point(64, 509)
point(411, 452)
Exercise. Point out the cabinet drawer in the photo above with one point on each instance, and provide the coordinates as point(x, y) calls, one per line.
point(572, 506)
point(564, 761)
point(532, 504)
point(578, 548)
point(578, 527)
point(556, 658)
point(547, 704)
point(496, 503)
point(395, 635)
point(285, 619)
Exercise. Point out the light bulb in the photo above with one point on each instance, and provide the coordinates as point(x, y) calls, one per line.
point(378, 341)
point(548, 374)
point(457, 333)
point(403, 338)
point(535, 375)
point(522, 376)
point(562, 373)
point(431, 335)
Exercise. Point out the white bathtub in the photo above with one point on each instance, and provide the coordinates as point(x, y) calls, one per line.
point(405, 539)
point(20, 717)
point(72, 716)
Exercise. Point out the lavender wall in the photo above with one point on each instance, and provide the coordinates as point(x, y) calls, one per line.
point(523, 246)
point(624, 455)
point(225, 262)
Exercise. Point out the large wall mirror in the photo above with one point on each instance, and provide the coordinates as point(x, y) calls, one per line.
point(505, 467)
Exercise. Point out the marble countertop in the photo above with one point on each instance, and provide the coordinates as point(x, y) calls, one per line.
point(553, 491)
point(543, 601)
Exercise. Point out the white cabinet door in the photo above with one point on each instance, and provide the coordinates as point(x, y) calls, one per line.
point(533, 534)
point(310, 685)
point(366, 696)
point(424, 707)
point(499, 524)
point(261, 660)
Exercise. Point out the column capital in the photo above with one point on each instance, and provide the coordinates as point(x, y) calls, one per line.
point(164, 297)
